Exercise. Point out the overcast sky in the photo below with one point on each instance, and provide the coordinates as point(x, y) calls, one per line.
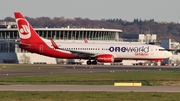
point(159, 10)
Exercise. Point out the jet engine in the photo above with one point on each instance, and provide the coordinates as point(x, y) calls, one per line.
point(106, 58)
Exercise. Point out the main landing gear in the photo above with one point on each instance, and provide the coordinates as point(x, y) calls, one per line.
point(158, 62)
point(89, 62)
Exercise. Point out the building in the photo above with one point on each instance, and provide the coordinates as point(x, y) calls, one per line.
point(11, 53)
point(144, 38)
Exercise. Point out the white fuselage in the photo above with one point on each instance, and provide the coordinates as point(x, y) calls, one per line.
point(118, 50)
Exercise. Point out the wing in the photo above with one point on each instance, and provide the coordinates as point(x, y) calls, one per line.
point(78, 53)
point(83, 54)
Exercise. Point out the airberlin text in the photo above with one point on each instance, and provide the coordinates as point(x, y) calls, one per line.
point(139, 51)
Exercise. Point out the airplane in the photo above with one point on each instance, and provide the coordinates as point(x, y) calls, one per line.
point(85, 40)
point(92, 52)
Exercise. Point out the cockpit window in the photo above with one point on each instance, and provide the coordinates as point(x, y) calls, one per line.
point(162, 50)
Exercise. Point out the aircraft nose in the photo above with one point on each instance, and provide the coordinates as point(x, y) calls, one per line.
point(169, 54)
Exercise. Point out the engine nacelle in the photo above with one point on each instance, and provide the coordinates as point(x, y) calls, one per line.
point(106, 58)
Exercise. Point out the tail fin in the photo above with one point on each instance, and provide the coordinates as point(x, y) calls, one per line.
point(26, 32)
point(54, 44)
point(85, 40)
point(32, 42)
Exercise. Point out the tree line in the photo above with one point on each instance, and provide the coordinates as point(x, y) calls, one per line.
point(137, 26)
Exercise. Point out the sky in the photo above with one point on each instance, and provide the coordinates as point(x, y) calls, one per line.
point(159, 10)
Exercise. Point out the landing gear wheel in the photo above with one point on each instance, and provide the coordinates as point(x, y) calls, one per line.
point(94, 62)
point(88, 62)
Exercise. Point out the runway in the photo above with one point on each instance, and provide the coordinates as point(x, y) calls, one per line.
point(76, 69)
point(89, 88)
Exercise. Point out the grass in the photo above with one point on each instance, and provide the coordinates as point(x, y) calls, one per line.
point(87, 96)
point(155, 78)
point(148, 78)
point(26, 66)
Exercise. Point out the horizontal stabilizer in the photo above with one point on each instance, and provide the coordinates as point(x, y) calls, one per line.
point(23, 44)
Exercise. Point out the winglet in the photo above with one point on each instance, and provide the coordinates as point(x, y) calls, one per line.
point(54, 44)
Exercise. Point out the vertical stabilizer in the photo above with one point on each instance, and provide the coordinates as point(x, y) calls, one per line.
point(26, 33)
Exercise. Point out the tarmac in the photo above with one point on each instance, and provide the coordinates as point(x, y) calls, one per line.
point(109, 88)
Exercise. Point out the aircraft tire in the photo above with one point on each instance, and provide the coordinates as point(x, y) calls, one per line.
point(88, 62)
point(94, 62)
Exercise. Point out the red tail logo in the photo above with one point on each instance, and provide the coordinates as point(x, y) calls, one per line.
point(24, 29)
